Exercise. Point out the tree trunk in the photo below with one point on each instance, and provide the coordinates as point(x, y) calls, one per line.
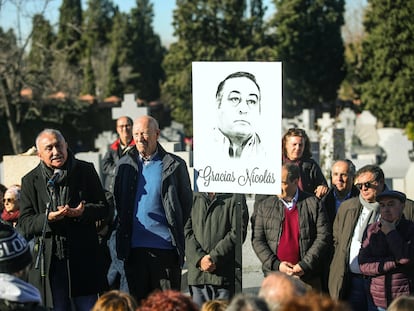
point(15, 137)
point(11, 114)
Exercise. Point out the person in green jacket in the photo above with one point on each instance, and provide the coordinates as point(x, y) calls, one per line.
point(211, 240)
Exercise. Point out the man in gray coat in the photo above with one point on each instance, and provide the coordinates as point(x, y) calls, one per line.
point(211, 240)
point(291, 232)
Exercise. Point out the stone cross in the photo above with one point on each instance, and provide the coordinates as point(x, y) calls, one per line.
point(129, 108)
point(104, 139)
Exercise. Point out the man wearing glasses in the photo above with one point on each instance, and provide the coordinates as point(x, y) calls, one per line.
point(346, 281)
point(117, 149)
point(238, 109)
point(120, 147)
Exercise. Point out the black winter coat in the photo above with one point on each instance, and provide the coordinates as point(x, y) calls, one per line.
point(176, 197)
point(315, 236)
point(211, 229)
point(86, 276)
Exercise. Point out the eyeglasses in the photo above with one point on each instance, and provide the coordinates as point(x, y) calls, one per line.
point(10, 200)
point(368, 184)
point(124, 125)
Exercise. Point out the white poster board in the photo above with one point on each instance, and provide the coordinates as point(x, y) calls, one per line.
point(237, 113)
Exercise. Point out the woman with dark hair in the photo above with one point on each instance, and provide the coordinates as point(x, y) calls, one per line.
point(296, 149)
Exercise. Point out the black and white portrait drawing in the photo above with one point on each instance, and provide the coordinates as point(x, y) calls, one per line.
point(237, 126)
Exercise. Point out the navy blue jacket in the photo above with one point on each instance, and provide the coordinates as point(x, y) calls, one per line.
point(176, 198)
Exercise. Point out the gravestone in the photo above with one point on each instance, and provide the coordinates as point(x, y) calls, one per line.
point(308, 119)
point(104, 140)
point(396, 146)
point(93, 157)
point(174, 132)
point(346, 121)
point(409, 181)
point(338, 144)
point(129, 107)
point(305, 121)
point(16, 166)
point(366, 129)
point(326, 129)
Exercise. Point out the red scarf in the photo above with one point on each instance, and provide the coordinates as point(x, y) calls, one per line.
point(10, 217)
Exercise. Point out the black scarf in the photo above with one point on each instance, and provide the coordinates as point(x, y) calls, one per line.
point(59, 196)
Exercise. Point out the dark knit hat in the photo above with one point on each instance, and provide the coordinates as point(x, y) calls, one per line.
point(392, 194)
point(14, 251)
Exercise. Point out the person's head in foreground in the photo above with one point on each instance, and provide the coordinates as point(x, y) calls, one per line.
point(277, 288)
point(215, 305)
point(167, 300)
point(402, 303)
point(247, 302)
point(115, 300)
point(15, 258)
point(314, 301)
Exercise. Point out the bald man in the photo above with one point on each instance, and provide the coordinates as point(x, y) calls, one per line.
point(277, 288)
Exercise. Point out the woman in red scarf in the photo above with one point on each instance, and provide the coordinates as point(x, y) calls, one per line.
point(11, 201)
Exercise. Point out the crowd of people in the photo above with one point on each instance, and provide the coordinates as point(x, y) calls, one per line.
point(71, 242)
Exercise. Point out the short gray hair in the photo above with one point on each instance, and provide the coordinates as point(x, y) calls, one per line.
point(53, 132)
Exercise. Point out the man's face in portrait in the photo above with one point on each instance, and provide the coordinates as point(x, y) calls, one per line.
point(238, 108)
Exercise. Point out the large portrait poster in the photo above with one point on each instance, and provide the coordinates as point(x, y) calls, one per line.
point(237, 113)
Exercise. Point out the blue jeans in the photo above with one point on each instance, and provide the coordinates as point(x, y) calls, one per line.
point(359, 295)
point(59, 283)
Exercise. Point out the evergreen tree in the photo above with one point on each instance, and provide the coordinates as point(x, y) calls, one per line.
point(97, 23)
point(70, 31)
point(210, 30)
point(387, 73)
point(88, 85)
point(117, 54)
point(40, 56)
point(309, 43)
point(145, 52)
point(114, 85)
